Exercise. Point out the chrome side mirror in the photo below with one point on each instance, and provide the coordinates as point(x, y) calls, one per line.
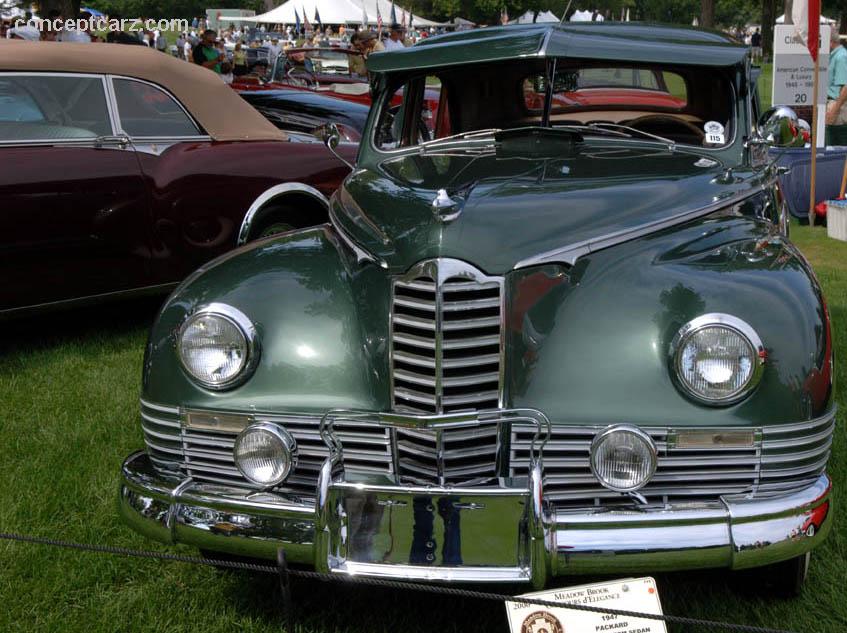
point(331, 136)
point(780, 127)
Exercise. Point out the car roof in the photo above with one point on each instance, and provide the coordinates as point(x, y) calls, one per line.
point(220, 112)
point(619, 41)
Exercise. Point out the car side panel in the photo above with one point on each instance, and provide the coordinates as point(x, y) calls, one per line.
point(74, 223)
point(202, 190)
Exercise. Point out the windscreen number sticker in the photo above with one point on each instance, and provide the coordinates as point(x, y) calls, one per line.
point(714, 133)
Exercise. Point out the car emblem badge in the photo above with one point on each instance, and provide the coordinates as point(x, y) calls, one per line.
point(445, 208)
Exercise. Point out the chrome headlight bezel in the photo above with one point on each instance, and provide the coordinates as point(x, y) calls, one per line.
point(280, 434)
point(632, 430)
point(248, 332)
point(728, 322)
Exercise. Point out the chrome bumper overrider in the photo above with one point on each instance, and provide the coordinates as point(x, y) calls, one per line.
point(503, 531)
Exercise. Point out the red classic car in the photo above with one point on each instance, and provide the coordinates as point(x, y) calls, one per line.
point(330, 71)
point(125, 169)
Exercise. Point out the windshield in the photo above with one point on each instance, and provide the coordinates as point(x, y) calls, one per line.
point(314, 62)
point(664, 103)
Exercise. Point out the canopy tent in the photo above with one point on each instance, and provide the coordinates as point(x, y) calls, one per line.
point(335, 12)
point(543, 16)
point(459, 23)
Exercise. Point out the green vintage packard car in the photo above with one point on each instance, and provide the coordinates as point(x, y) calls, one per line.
point(554, 327)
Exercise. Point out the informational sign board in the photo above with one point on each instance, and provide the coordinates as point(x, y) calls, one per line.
point(631, 594)
point(794, 69)
point(217, 18)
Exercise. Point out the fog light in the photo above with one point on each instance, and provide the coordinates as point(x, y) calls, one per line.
point(265, 454)
point(623, 458)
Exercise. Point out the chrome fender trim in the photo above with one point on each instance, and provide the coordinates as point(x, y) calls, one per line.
point(275, 192)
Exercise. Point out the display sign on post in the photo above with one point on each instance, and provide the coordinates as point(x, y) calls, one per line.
point(794, 69)
point(632, 594)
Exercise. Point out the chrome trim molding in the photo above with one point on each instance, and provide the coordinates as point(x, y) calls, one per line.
point(270, 194)
point(730, 322)
point(248, 331)
point(572, 252)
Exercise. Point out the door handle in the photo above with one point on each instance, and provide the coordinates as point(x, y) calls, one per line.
point(120, 140)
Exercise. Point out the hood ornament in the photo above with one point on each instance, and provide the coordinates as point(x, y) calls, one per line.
point(445, 208)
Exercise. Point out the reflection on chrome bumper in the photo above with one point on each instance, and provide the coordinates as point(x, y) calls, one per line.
point(371, 526)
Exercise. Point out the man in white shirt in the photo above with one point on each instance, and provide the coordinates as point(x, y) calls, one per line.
point(395, 38)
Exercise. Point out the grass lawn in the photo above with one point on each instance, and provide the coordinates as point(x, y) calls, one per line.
point(68, 394)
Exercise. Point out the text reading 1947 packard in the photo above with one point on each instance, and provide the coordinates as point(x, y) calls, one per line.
point(554, 327)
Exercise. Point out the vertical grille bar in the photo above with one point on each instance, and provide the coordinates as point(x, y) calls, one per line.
point(446, 356)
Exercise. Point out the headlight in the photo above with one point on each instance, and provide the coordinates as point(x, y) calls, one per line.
point(623, 458)
point(717, 359)
point(265, 454)
point(217, 347)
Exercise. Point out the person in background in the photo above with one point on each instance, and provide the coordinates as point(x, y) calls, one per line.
point(24, 32)
point(836, 94)
point(756, 46)
point(122, 37)
point(365, 42)
point(161, 42)
point(77, 35)
point(395, 38)
point(226, 72)
point(180, 46)
point(190, 43)
point(239, 61)
point(206, 53)
point(343, 35)
point(273, 49)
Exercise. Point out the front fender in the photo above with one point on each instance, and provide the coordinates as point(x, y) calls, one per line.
point(320, 320)
point(593, 347)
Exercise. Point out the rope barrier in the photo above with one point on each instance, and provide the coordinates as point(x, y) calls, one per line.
point(284, 573)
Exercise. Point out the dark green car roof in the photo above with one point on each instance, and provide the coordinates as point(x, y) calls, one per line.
point(635, 42)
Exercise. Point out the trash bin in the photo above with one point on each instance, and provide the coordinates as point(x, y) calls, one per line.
point(836, 219)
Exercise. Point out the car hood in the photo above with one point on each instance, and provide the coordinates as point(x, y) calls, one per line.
point(510, 209)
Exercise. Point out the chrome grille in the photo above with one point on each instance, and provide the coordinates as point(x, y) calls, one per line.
point(446, 339)
point(206, 455)
point(785, 457)
point(447, 457)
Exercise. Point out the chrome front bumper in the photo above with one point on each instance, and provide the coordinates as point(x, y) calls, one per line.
point(370, 525)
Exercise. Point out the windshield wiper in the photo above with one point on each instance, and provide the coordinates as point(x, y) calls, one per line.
point(616, 129)
point(461, 136)
point(617, 126)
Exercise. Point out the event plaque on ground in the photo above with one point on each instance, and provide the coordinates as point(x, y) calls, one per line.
point(630, 594)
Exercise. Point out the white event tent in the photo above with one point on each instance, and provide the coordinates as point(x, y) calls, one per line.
point(336, 12)
point(543, 16)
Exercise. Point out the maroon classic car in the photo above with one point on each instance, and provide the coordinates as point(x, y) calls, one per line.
point(124, 169)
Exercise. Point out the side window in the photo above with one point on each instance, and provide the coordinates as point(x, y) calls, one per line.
point(49, 107)
point(415, 113)
point(148, 111)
